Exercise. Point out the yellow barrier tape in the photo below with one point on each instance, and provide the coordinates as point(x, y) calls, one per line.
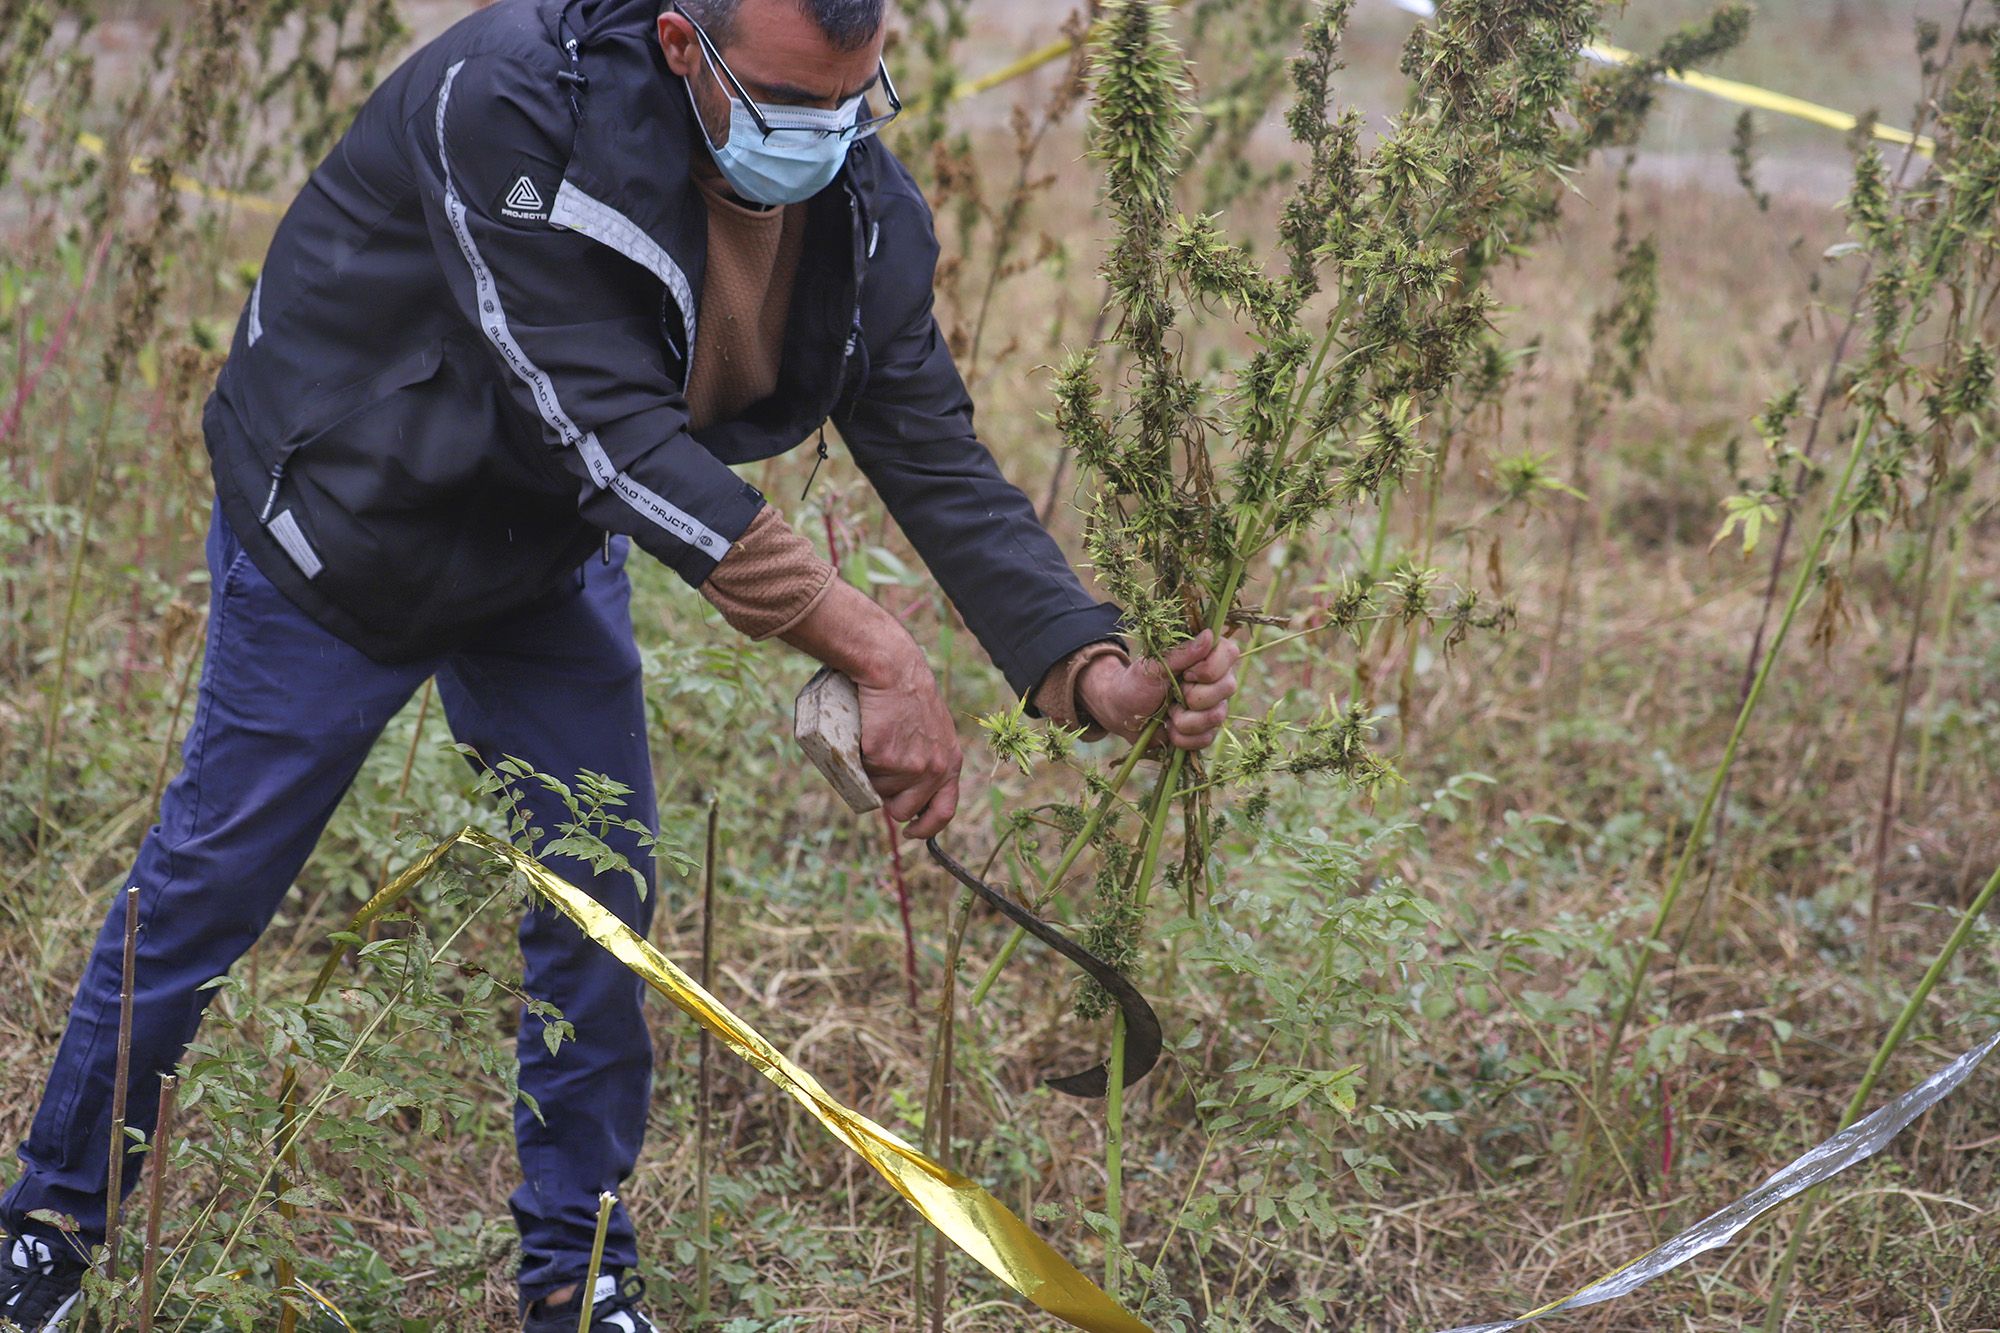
point(311, 1293)
point(1729, 90)
point(95, 145)
point(319, 1299)
point(971, 1218)
point(1027, 64)
point(1763, 99)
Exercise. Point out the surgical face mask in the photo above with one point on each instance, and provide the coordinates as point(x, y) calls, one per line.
point(797, 160)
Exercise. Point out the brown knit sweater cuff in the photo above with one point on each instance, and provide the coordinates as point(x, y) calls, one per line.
point(1056, 698)
point(770, 580)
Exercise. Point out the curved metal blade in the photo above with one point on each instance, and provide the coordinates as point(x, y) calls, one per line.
point(1142, 1025)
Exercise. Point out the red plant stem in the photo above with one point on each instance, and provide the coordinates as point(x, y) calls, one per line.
point(896, 876)
point(20, 376)
point(126, 667)
point(832, 538)
point(1886, 816)
point(58, 340)
point(902, 886)
point(1666, 1130)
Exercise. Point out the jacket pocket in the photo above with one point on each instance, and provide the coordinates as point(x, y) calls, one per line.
point(334, 410)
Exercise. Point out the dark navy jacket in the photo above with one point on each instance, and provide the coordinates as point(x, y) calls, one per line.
point(463, 362)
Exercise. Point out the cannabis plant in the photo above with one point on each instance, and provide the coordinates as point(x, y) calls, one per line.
point(1241, 406)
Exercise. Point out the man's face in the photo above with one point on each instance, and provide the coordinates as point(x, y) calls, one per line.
point(779, 55)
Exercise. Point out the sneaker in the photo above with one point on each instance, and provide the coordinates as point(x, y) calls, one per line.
point(616, 1310)
point(39, 1286)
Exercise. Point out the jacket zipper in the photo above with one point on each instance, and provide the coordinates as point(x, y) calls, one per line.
point(271, 499)
point(819, 456)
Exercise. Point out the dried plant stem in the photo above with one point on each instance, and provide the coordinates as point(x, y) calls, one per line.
point(704, 1073)
point(1774, 1309)
point(899, 882)
point(605, 1203)
point(52, 351)
point(156, 1188)
point(938, 1104)
point(1692, 844)
point(1947, 619)
point(403, 783)
point(1829, 385)
point(1886, 814)
point(1922, 284)
point(121, 1082)
point(194, 657)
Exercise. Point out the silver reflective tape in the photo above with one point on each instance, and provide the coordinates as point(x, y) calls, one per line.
point(655, 507)
point(1857, 1143)
point(607, 226)
point(257, 311)
point(286, 529)
point(493, 322)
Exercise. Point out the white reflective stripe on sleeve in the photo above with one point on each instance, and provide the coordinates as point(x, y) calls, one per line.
point(647, 502)
point(286, 529)
point(257, 311)
point(607, 226)
point(493, 323)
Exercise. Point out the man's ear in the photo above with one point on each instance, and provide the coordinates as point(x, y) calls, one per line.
point(678, 42)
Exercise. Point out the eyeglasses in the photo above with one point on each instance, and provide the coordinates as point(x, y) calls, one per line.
point(865, 123)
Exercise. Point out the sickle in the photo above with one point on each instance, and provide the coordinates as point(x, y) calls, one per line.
point(1142, 1026)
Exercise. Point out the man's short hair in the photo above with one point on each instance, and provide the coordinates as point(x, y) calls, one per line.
point(848, 24)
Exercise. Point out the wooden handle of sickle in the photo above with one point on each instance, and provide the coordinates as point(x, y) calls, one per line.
point(826, 721)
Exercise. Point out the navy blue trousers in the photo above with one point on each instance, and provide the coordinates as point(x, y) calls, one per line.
point(285, 716)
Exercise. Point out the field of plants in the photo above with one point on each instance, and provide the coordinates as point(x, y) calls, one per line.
point(1600, 478)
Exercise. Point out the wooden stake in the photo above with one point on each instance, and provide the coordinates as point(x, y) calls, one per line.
point(114, 1197)
point(163, 1133)
point(703, 1088)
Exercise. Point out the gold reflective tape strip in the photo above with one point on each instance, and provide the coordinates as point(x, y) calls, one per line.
point(1729, 90)
point(1763, 99)
point(1027, 64)
point(318, 1298)
point(971, 1218)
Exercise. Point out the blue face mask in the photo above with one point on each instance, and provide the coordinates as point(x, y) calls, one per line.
point(793, 164)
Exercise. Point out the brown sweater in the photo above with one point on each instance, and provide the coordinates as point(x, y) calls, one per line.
point(771, 579)
point(746, 296)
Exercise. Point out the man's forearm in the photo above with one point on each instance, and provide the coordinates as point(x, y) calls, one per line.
point(852, 633)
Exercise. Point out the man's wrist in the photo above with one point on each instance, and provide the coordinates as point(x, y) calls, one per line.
point(851, 632)
point(1095, 684)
